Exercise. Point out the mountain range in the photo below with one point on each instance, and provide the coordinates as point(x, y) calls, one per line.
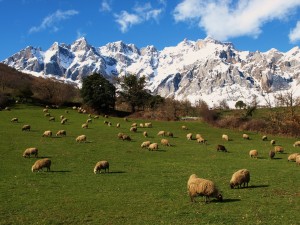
point(205, 69)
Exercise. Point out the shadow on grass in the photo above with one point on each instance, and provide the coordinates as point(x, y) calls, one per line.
point(257, 186)
point(60, 171)
point(228, 200)
point(116, 172)
point(43, 157)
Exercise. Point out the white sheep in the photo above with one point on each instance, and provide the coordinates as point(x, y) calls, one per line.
point(202, 187)
point(85, 126)
point(61, 117)
point(40, 164)
point(148, 125)
point(184, 127)
point(145, 134)
point(126, 137)
point(101, 165)
point(81, 138)
point(118, 125)
point(26, 127)
point(88, 120)
point(278, 149)
point(134, 125)
point(246, 136)
point(189, 136)
point(161, 133)
point(15, 119)
point(153, 146)
point(170, 134)
point(52, 118)
point(201, 140)
point(298, 160)
point(47, 133)
point(253, 153)
point(198, 136)
point(120, 135)
point(64, 120)
point(145, 144)
point(141, 125)
point(272, 142)
point(225, 137)
point(165, 142)
point(61, 133)
point(47, 114)
point(296, 144)
point(264, 138)
point(292, 157)
point(133, 129)
point(30, 151)
point(239, 178)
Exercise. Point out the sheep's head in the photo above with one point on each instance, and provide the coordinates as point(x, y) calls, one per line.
point(220, 197)
point(231, 185)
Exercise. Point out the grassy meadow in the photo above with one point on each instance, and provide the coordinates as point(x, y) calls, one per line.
point(143, 187)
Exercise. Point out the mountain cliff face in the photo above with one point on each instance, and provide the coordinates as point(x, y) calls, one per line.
point(204, 69)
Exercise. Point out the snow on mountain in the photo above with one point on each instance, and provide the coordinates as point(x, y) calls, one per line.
point(205, 69)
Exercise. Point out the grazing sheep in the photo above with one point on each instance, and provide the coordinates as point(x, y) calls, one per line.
point(30, 151)
point(278, 149)
point(61, 117)
point(296, 144)
point(145, 134)
point(253, 153)
point(105, 116)
point(165, 142)
point(153, 146)
point(134, 125)
point(161, 133)
point(52, 118)
point(202, 187)
point(96, 117)
point(148, 125)
point(118, 125)
point(225, 137)
point(105, 122)
point(239, 178)
point(292, 157)
point(145, 144)
point(272, 142)
point(169, 134)
point(45, 110)
point(88, 120)
point(14, 119)
point(47, 133)
point(198, 136)
point(101, 165)
point(120, 135)
point(61, 133)
point(40, 164)
point(125, 119)
point(85, 126)
point(141, 125)
point(133, 129)
point(221, 148)
point(201, 140)
point(47, 114)
point(184, 127)
point(189, 136)
point(126, 138)
point(264, 138)
point(109, 124)
point(81, 138)
point(64, 120)
point(74, 107)
point(298, 160)
point(246, 136)
point(26, 127)
point(271, 154)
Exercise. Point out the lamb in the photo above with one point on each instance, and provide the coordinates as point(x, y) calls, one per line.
point(165, 142)
point(202, 187)
point(292, 157)
point(45, 110)
point(239, 178)
point(264, 138)
point(81, 138)
point(61, 117)
point(109, 124)
point(141, 125)
point(15, 119)
point(296, 144)
point(101, 165)
point(96, 117)
point(153, 146)
point(225, 137)
point(47, 133)
point(278, 149)
point(61, 133)
point(64, 120)
point(134, 125)
point(170, 134)
point(198, 136)
point(30, 151)
point(246, 136)
point(145, 134)
point(47, 114)
point(85, 126)
point(26, 127)
point(88, 120)
point(189, 136)
point(221, 148)
point(148, 125)
point(118, 125)
point(145, 144)
point(40, 164)
point(126, 137)
point(52, 118)
point(201, 140)
point(184, 127)
point(133, 129)
point(271, 154)
point(120, 135)
point(298, 160)
point(272, 142)
point(161, 133)
point(253, 154)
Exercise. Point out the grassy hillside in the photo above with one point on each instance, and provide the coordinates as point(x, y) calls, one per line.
point(142, 187)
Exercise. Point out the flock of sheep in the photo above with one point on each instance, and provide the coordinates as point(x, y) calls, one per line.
point(196, 186)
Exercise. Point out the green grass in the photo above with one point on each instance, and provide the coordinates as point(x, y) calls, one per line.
point(143, 187)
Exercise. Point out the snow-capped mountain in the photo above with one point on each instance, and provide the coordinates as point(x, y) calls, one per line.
point(204, 69)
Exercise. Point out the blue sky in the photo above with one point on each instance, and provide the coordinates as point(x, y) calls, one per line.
point(248, 24)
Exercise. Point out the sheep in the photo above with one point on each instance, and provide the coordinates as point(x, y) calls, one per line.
point(125, 119)
point(105, 122)
point(61, 133)
point(64, 120)
point(118, 125)
point(88, 120)
point(101, 165)
point(133, 129)
point(90, 115)
point(198, 136)
point(253, 153)
point(271, 154)
point(145, 134)
point(81, 138)
point(184, 127)
point(246, 136)
point(201, 140)
point(169, 134)
point(47, 114)
point(202, 187)
point(105, 116)
point(30, 151)
point(145, 144)
point(67, 111)
point(40, 164)
point(153, 146)
point(296, 144)
point(225, 137)
point(126, 138)
point(278, 149)
point(61, 117)
point(74, 107)
point(239, 178)
point(161, 133)
point(45, 110)
point(109, 124)
point(47, 133)
point(85, 126)
point(141, 125)
point(221, 148)
point(292, 157)
point(189, 136)
point(26, 127)
point(96, 117)
point(134, 125)
point(264, 138)
point(52, 118)
point(272, 142)
point(165, 142)
point(15, 119)
point(298, 160)
point(148, 125)
point(120, 135)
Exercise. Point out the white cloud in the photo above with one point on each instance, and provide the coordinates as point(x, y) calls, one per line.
point(53, 19)
point(105, 6)
point(141, 14)
point(222, 19)
point(294, 35)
